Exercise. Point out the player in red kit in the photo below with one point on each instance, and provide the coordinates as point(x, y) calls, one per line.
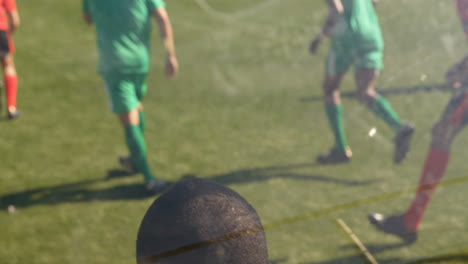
point(9, 21)
point(457, 72)
point(452, 121)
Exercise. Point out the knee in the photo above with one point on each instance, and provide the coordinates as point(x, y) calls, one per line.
point(326, 87)
point(366, 96)
point(130, 118)
point(10, 70)
point(439, 130)
point(329, 89)
point(8, 65)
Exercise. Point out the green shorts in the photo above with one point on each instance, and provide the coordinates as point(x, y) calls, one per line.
point(125, 91)
point(343, 54)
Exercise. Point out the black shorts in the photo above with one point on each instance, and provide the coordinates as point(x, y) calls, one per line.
point(4, 44)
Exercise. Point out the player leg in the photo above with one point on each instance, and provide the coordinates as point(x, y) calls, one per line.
point(9, 72)
point(125, 102)
point(452, 121)
point(337, 65)
point(141, 91)
point(444, 132)
point(365, 81)
point(125, 161)
point(367, 71)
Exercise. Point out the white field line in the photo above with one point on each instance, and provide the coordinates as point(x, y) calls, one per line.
point(191, 24)
point(229, 17)
point(358, 242)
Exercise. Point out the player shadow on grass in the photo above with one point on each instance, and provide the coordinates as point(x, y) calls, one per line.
point(389, 91)
point(82, 191)
point(279, 261)
point(88, 190)
point(286, 172)
point(457, 258)
point(375, 249)
point(379, 248)
point(358, 257)
point(352, 259)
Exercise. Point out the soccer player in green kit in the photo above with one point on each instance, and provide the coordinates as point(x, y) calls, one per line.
point(356, 39)
point(123, 37)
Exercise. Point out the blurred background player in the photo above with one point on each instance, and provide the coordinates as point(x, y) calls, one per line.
point(123, 37)
point(457, 72)
point(9, 21)
point(201, 222)
point(356, 39)
point(452, 121)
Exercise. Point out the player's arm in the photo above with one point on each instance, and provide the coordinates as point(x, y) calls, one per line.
point(86, 14)
point(335, 9)
point(12, 13)
point(458, 72)
point(165, 28)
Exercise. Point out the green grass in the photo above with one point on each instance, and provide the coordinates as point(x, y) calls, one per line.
point(245, 111)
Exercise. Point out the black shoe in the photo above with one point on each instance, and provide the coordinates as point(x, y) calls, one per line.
point(393, 225)
point(335, 156)
point(402, 142)
point(14, 114)
point(127, 164)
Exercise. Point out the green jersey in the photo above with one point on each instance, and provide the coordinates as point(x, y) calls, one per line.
point(123, 33)
point(359, 24)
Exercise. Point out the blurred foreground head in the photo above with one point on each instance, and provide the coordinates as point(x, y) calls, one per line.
point(201, 222)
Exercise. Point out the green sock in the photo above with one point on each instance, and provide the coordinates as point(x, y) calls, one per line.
point(142, 122)
point(335, 117)
point(384, 110)
point(137, 146)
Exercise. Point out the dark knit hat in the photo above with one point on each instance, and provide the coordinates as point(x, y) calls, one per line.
point(200, 221)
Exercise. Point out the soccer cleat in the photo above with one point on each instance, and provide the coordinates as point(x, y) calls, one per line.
point(14, 114)
point(127, 164)
point(402, 142)
point(155, 187)
point(393, 225)
point(335, 156)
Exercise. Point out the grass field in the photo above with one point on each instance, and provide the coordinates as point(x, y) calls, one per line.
point(245, 111)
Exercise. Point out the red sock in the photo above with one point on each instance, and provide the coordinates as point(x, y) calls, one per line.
point(434, 168)
point(11, 87)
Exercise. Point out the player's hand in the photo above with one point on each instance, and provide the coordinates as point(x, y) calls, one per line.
point(453, 77)
point(172, 66)
point(457, 73)
point(315, 44)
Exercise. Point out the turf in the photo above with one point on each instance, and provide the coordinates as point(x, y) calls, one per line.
point(245, 111)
